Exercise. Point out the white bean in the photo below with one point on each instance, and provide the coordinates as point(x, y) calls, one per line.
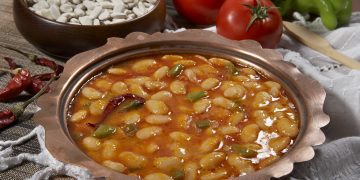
point(109, 148)
point(178, 87)
point(211, 160)
point(219, 174)
point(241, 165)
point(167, 163)
point(131, 118)
point(155, 85)
point(158, 119)
point(152, 147)
point(119, 88)
point(117, 71)
point(148, 132)
point(236, 118)
point(157, 176)
point(223, 102)
point(228, 130)
point(138, 90)
point(180, 136)
point(190, 74)
point(143, 66)
point(190, 170)
point(91, 143)
point(210, 83)
point(114, 165)
point(186, 63)
point(156, 107)
point(161, 73)
point(201, 106)
point(78, 116)
point(97, 107)
point(132, 160)
point(209, 144)
point(219, 62)
point(162, 96)
point(235, 92)
point(140, 80)
point(91, 93)
point(249, 133)
point(172, 57)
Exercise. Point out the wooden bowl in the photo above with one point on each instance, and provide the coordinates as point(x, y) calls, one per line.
point(65, 40)
point(307, 94)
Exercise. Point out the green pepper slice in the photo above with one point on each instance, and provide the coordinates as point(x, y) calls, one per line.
point(232, 69)
point(104, 130)
point(130, 105)
point(177, 174)
point(176, 70)
point(130, 129)
point(203, 124)
point(243, 151)
point(197, 95)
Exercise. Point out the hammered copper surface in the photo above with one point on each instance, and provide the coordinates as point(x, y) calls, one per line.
point(307, 94)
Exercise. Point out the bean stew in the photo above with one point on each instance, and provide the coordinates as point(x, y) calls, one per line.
point(183, 116)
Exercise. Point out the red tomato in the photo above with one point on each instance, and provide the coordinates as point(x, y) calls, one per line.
point(199, 11)
point(235, 15)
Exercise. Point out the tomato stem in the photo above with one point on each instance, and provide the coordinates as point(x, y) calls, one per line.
point(259, 12)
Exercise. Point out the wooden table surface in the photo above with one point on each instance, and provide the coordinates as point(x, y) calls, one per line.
point(9, 35)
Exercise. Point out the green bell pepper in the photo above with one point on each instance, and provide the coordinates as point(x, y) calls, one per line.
point(333, 13)
point(104, 130)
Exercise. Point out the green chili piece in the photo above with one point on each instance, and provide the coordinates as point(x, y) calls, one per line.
point(130, 129)
point(197, 95)
point(203, 124)
point(104, 130)
point(177, 174)
point(130, 105)
point(176, 70)
point(243, 151)
point(232, 69)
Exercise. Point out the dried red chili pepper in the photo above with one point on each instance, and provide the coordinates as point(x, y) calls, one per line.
point(58, 69)
point(8, 116)
point(19, 82)
point(11, 63)
point(35, 86)
point(115, 102)
point(44, 77)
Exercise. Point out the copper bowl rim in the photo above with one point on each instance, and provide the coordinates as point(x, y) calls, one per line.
point(308, 94)
point(24, 3)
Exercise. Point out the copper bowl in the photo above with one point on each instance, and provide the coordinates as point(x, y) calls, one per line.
point(307, 94)
point(65, 40)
